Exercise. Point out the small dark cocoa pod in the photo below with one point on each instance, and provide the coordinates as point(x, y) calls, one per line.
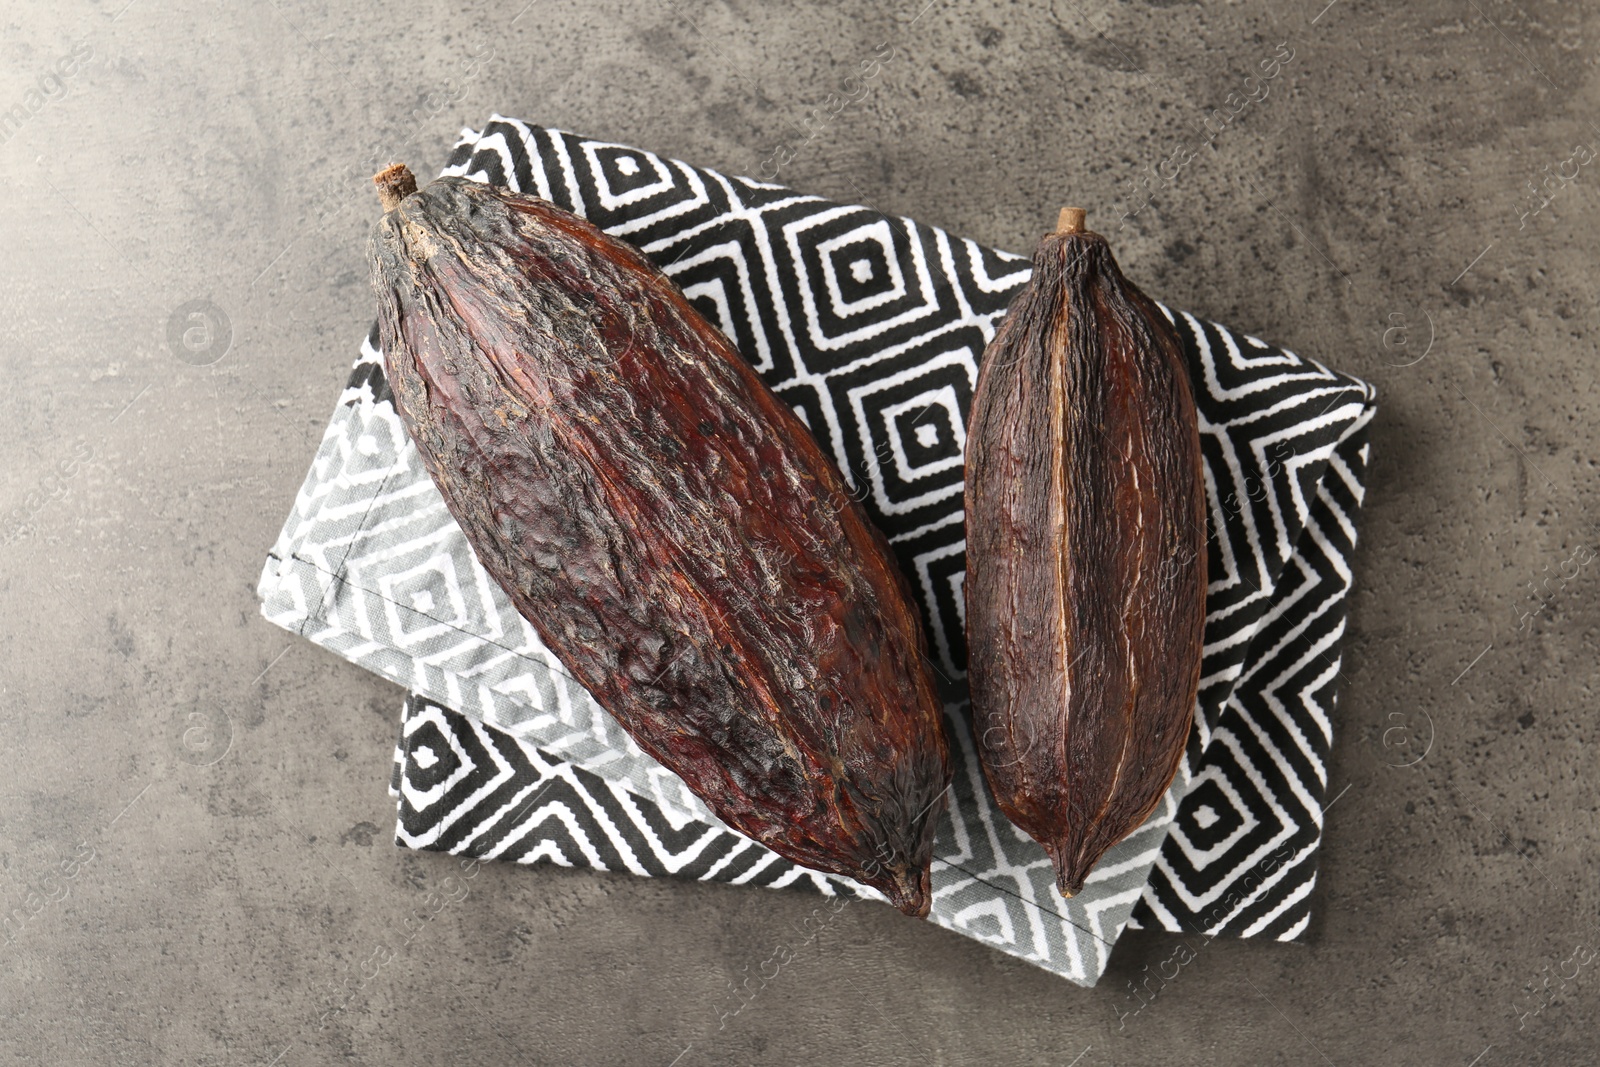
point(1086, 554)
point(667, 525)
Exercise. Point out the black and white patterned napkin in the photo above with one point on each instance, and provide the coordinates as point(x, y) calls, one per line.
point(871, 327)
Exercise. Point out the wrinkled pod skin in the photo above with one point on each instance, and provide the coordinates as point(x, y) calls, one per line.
point(1086, 556)
point(667, 525)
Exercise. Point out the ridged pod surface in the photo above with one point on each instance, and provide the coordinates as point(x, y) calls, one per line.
point(1086, 554)
point(667, 525)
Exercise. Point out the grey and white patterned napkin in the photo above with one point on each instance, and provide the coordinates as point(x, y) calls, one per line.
point(871, 327)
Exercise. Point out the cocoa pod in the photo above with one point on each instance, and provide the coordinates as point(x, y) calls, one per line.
point(667, 525)
point(1086, 554)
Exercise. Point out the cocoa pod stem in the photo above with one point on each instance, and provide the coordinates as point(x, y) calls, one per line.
point(394, 185)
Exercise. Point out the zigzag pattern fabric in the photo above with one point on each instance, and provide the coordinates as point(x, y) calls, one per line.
point(871, 327)
point(469, 789)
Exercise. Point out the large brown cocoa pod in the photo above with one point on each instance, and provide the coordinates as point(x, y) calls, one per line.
point(1086, 554)
point(666, 523)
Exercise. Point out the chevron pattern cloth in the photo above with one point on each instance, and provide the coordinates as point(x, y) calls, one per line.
point(871, 327)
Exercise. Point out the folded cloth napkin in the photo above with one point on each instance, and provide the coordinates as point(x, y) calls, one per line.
point(870, 326)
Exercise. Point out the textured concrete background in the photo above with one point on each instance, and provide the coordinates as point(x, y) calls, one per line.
point(194, 802)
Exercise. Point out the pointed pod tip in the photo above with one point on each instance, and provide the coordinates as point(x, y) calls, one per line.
point(1069, 880)
point(1072, 870)
point(909, 891)
point(394, 183)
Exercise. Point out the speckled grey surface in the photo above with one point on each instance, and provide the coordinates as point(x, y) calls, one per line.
point(194, 826)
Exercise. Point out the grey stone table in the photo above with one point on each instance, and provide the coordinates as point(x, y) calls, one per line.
point(194, 828)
